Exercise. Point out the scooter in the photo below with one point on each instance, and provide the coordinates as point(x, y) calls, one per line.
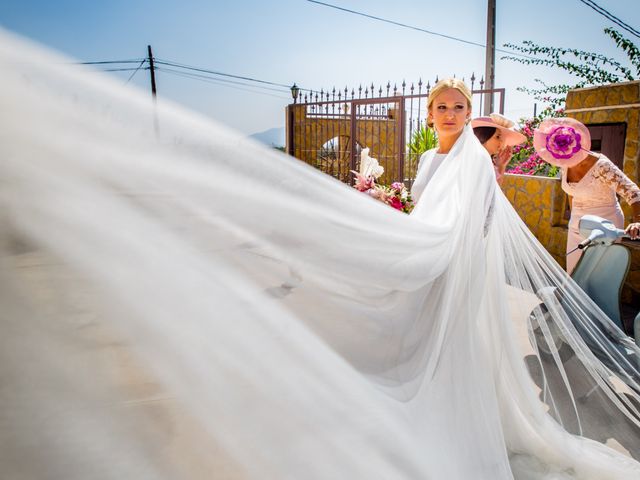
point(600, 273)
point(603, 266)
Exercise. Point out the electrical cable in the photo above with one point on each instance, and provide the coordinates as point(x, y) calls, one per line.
point(404, 25)
point(214, 81)
point(213, 72)
point(197, 75)
point(610, 16)
point(116, 70)
point(110, 61)
point(136, 70)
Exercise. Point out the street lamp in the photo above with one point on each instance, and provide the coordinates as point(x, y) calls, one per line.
point(295, 90)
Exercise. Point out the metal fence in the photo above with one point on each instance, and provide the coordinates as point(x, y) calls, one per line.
point(329, 129)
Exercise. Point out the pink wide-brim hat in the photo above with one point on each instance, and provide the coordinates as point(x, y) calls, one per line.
point(511, 137)
point(563, 142)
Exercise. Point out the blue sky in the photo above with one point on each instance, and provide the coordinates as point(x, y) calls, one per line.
point(286, 41)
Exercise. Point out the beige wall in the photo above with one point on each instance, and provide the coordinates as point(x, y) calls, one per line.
point(616, 103)
point(541, 204)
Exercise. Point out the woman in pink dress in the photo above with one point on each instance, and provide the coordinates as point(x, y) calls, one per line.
point(591, 179)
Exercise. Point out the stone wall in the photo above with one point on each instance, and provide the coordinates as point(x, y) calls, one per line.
point(615, 103)
point(541, 204)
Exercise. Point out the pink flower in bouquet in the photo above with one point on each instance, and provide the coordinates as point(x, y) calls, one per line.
point(378, 194)
point(397, 186)
point(396, 203)
point(363, 183)
point(395, 195)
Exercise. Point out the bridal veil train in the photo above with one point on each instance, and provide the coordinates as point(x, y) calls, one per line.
point(180, 302)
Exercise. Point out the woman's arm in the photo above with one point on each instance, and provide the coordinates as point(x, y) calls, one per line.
point(500, 161)
point(618, 181)
point(627, 190)
point(623, 186)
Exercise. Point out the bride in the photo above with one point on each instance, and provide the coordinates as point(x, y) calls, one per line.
point(184, 303)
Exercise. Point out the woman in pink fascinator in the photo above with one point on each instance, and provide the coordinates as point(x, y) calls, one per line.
point(498, 136)
point(590, 179)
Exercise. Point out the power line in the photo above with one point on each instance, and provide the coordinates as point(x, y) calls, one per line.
point(224, 80)
point(110, 61)
point(214, 81)
point(404, 25)
point(610, 16)
point(213, 72)
point(118, 69)
point(241, 77)
point(397, 23)
point(136, 70)
point(193, 75)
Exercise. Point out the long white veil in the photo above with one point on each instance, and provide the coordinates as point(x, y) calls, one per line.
point(180, 302)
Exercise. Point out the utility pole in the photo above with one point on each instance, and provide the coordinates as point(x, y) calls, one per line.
point(153, 72)
point(490, 56)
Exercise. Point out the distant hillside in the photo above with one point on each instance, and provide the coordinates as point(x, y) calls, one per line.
point(274, 137)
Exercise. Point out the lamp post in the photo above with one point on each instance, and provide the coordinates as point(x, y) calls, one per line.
point(295, 90)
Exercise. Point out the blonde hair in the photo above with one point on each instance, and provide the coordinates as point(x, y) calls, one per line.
point(449, 83)
point(444, 84)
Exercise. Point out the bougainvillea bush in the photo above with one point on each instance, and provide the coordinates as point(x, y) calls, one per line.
point(586, 69)
point(525, 160)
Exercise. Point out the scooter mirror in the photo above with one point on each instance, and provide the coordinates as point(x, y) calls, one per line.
point(607, 233)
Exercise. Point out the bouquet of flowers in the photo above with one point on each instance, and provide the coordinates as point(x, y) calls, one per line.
point(395, 195)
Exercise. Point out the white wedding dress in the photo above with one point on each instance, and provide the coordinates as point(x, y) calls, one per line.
point(180, 302)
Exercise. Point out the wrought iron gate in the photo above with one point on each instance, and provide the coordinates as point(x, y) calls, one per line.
point(328, 130)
